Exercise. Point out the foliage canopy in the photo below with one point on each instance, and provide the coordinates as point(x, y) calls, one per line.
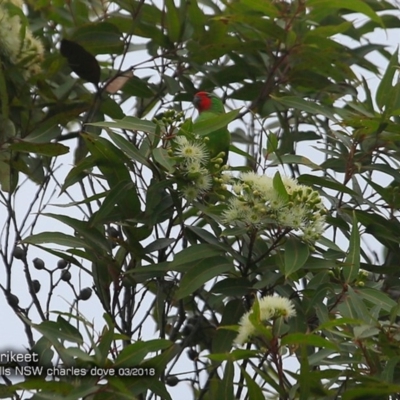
point(291, 73)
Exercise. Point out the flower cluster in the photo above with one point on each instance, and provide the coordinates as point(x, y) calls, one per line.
point(271, 307)
point(193, 157)
point(258, 203)
point(17, 43)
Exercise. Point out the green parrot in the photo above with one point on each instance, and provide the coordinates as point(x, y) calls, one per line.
point(210, 106)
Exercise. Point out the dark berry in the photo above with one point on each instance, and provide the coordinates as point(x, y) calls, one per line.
point(171, 380)
point(65, 276)
point(38, 263)
point(18, 253)
point(192, 354)
point(13, 300)
point(187, 329)
point(112, 232)
point(36, 285)
point(85, 294)
point(61, 264)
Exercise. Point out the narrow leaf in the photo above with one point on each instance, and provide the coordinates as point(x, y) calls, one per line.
point(280, 187)
point(253, 389)
point(133, 354)
point(162, 157)
point(299, 339)
point(385, 88)
point(358, 6)
point(193, 253)
point(226, 386)
point(209, 125)
point(59, 238)
point(296, 254)
point(304, 105)
point(130, 123)
point(200, 273)
point(128, 148)
point(352, 262)
point(44, 149)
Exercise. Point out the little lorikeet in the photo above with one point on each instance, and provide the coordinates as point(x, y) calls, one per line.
point(210, 106)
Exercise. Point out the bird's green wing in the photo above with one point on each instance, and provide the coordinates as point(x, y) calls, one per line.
point(218, 140)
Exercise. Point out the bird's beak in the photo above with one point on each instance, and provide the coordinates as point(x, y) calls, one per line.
point(196, 101)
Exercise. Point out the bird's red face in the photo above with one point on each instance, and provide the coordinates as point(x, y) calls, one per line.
point(202, 101)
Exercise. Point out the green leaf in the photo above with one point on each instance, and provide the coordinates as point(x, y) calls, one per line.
point(329, 325)
point(111, 108)
point(377, 298)
point(103, 348)
point(4, 96)
point(280, 187)
point(44, 149)
point(223, 338)
point(137, 87)
point(92, 236)
point(84, 390)
point(235, 355)
point(129, 123)
point(327, 182)
point(196, 18)
point(79, 172)
point(385, 168)
point(134, 354)
point(55, 387)
point(207, 126)
point(7, 391)
point(299, 339)
point(329, 30)
point(5, 172)
point(99, 38)
point(160, 362)
point(159, 244)
point(266, 7)
point(296, 255)
point(55, 332)
point(187, 256)
point(79, 354)
point(388, 372)
point(358, 6)
point(377, 390)
point(384, 92)
point(305, 105)
point(292, 159)
point(159, 203)
point(365, 331)
point(112, 199)
point(232, 287)
point(59, 238)
point(162, 157)
point(201, 272)
point(109, 159)
point(357, 307)
point(225, 387)
point(143, 274)
point(205, 236)
point(254, 391)
point(352, 262)
point(69, 329)
point(45, 132)
point(173, 21)
point(304, 378)
point(128, 148)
